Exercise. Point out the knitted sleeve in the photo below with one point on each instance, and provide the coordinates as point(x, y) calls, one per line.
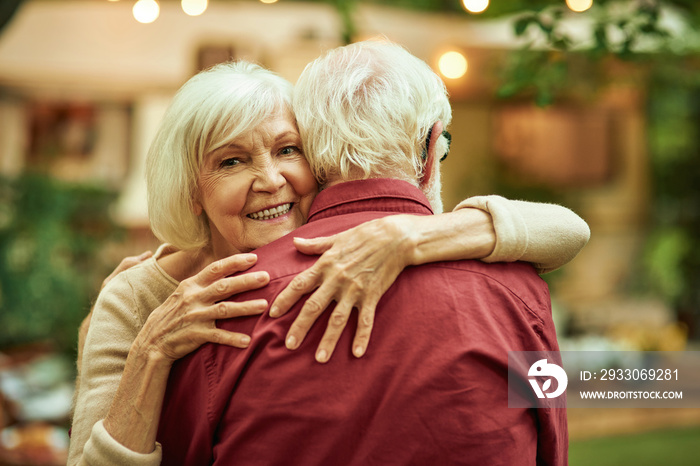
point(546, 235)
point(117, 318)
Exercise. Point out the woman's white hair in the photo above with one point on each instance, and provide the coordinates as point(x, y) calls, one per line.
point(364, 110)
point(209, 111)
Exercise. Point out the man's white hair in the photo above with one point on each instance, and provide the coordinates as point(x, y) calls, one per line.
point(209, 111)
point(364, 111)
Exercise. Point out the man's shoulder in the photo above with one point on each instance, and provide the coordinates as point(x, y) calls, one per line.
point(518, 279)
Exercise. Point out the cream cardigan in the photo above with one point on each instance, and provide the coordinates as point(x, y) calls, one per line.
point(546, 235)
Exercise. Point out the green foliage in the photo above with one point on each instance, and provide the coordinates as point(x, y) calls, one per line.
point(50, 236)
point(672, 255)
point(542, 66)
point(539, 74)
point(663, 259)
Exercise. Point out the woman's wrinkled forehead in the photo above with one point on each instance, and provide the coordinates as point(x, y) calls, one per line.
point(230, 127)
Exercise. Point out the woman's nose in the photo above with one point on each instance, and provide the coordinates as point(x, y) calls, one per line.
point(269, 179)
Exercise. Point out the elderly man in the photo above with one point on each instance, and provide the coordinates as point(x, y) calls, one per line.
point(432, 386)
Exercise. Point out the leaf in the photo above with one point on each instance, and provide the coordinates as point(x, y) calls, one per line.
point(546, 385)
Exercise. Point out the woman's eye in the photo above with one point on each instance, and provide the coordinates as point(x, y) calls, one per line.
point(230, 162)
point(290, 150)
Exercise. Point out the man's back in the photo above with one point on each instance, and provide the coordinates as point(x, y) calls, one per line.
point(431, 389)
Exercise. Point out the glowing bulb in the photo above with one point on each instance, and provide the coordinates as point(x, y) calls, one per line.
point(452, 65)
point(194, 7)
point(579, 5)
point(146, 11)
point(268, 1)
point(475, 6)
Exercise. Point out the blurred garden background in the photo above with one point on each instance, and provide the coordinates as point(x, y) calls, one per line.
point(591, 104)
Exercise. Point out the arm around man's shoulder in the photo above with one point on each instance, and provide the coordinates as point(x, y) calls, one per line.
point(546, 235)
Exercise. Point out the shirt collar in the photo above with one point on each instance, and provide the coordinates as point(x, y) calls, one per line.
point(361, 196)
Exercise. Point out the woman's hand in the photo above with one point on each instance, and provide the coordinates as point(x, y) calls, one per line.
point(356, 267)
point(186, 320)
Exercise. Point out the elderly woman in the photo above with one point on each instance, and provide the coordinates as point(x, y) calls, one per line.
point(227, 174)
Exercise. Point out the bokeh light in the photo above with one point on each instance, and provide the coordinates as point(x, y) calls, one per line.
point(579, 5)
point(475, 6)
point(146, 11)
point(452, 65)
point(194, 7)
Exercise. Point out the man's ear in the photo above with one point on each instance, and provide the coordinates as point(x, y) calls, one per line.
point(433, 157)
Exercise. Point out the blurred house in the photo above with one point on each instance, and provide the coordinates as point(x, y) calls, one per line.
point(83, 86)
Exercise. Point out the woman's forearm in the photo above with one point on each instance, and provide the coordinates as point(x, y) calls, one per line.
point(495, 229)
point(133, 417)
point(463, 234)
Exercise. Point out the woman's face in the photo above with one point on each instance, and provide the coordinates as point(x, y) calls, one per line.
point(256, 189)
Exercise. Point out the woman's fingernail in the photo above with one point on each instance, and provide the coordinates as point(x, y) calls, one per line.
point(245, 340)
point(250, 258)
point(359, 351)
point(262, 277)
point(291, 342)
point(273, 311)
point(322, 356)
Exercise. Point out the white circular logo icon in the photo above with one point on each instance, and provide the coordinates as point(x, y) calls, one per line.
point(541, 369)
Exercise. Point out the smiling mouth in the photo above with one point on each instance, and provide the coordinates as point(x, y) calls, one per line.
point(269, 214)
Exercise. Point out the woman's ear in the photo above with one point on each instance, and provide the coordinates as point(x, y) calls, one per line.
point(197, 208)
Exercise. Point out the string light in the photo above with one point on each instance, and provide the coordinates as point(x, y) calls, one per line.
point(268, 1)
point(475, 6)
point(579, 5)
point(194, 7)
point(452, 65)
point(146, 11)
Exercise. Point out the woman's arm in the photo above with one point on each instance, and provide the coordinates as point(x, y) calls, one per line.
point(125, 264)
point(359, 265)
point(546, 235)
point(126, 362)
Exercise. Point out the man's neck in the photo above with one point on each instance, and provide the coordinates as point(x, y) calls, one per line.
point(334, 181)
point(432, 193)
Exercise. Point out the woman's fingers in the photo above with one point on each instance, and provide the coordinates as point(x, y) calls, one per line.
point(224, 337)
point(336, 324)
point(305, 282)
point(226, 287)
point(312, 308)
point(225, 267)
point(365, 322)
point(230, 309)
point(314, 246)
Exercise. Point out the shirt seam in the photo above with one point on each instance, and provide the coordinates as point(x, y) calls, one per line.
point(534, 314)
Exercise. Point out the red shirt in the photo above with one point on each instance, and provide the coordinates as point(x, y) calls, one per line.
point(430, 390)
